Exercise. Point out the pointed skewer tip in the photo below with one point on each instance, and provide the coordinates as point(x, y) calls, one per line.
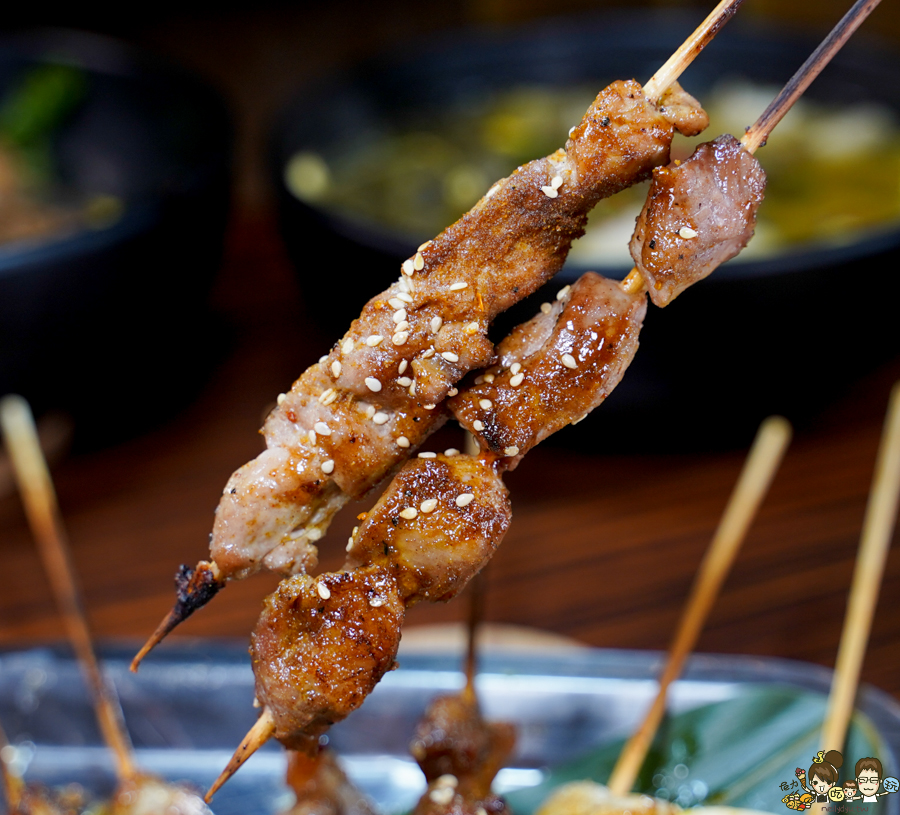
point(256, 737)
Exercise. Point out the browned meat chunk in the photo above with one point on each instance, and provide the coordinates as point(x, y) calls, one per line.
point(699, 213)
point(322, 787)
point(553, 369)
point(436, 525)
point(321, 645)
point(375, 393)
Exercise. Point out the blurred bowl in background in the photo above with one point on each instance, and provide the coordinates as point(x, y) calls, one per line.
point(768, 333)
point(110, 307)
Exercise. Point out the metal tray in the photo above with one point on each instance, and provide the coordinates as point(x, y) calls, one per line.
point(191, 703)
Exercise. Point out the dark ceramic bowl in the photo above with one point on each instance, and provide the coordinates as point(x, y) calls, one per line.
point(757, 337)
point(112, 324)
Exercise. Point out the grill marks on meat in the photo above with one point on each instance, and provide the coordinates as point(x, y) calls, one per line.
point(698, 214)
point(437, 524)
point(554, 369)
point(377, 389)
point(321, 645)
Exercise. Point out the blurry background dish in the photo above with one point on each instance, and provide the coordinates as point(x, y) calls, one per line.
point(373, 162)
point(117, 167)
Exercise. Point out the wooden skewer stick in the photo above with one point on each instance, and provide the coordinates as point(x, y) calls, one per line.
point(757, 134)
point(878, 528)
point(759, 131)
point(687, 52)
point(42, 510)
point(256, 737)
point(476, 614)
point(13, 786)
point(759, 470)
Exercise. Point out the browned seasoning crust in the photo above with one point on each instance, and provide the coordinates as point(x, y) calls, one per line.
point(378, 391)
point(553, 369)
point(698, 214)
point(321, 645)
point(439, 521)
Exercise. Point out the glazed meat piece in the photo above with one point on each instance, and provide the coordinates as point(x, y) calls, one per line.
point(453, 740)
point(376, 391)
point(149, 795)
point(553, 369)
point(321, 645)
point(322, 787)
point(439, 521)
point(698, 214)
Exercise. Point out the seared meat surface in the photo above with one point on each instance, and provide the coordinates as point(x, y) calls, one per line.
point(698, 214)
point(321, 645)
point(436, 525)
point(553, 369)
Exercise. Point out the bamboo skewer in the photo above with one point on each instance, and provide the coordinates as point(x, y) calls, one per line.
point(256, 737)
point(878, 528)
point(196, 587)
point(42, 510)
point(759, 469)
point(757, 134)
point(12, 785)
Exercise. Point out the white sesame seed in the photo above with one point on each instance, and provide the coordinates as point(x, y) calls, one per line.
point(452, 391)
point(428, 505)
point(323, 358)
point(563, 292)
point(404, 381)
point(450, 356)
point(427, 455)
point(546, 308)
point(408, 268)
point(459, 285)
point(447, 780)
point(429, 407)
point(373, 384)
point(412, 388)
point(323, 591)
point(395, 303)
point(478, 425)
point(380, 418)
point(322, 429)
point(489, 378)
point(492, 190)
point(404, 284)
point(403, 297)
point(516, 380)
point(485, 404)
point(355, 530)
point(347, 347)
point(402, 367)
point(556, 182)
point(281, 398)
point(370, 411)
point(465, 499)
point(451, 451)
point(550, 192)
point(479, 380)
point(311, 436)
point(569, 361)
point(428, 354)
point(442, 796)
point(687, 232)
point(409, 513)
point(515, 368)
point(335, 369)
point(373, 340)
point(328, 467)
point(400, 338)
point(436, 323)
point(572, 129)
point(378, 602)
point(402, 441)
point(331, 397)
point(511, 451)
point(401, 326)
point(471, 328)
point(419, 262)
point(349, 544)
point(425, 245)
point(325, 394)
point(399, 315)
point(580, 420)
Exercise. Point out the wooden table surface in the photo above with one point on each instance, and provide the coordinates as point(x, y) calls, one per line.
point(602, 549)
